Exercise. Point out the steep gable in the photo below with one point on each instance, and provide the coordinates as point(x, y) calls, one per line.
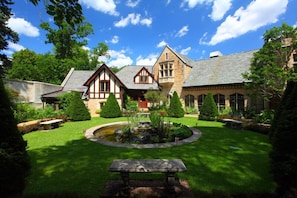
point(102, 82)
point(129, 74)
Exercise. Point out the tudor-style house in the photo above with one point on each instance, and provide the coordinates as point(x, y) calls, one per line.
point(191, 79)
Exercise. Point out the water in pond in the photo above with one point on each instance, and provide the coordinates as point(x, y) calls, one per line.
point(142, 134)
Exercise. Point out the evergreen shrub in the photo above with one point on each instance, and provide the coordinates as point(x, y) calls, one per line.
point(77, 110)
point(14, 161)
point(111, 108)
point(283, 139)
point(208, 110)
point(175, 107)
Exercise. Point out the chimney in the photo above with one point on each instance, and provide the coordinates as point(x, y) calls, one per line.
point(215, 54)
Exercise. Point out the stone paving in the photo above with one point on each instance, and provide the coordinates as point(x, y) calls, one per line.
point(89, 134)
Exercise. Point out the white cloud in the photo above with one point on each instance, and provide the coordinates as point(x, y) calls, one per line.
point(150, 60)
point(114, 40)
point(193, 3)
point(133, 19)
point(185, 51)
point(162, 44)
point(117, 58)
point(219, 9)
point(15, 47)
point(21, 26)
point(168, 2)
point(132, 4)
point(257, 14)
point(105, 6)
point(182, 32)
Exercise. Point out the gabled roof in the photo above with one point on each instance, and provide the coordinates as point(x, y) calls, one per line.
point(220, 70)
point(96, 73)
point(182, 57)
point(127, 74)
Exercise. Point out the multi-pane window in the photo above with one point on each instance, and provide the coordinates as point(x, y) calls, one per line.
point(143, 79)
point(166, 70)
point(201, 100)
point(104, 86)
point(189, 101)
point(220, 101)
point(237, 102)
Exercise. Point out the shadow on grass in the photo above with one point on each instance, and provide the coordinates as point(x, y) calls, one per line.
point(223, 161)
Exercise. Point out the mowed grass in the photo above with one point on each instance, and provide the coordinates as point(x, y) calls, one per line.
point(64, 162)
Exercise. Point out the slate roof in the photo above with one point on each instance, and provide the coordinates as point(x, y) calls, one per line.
point(219, 70)
point(127, 74)
point(73, 82)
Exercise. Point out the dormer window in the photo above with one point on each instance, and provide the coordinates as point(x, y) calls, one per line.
point(166, 70)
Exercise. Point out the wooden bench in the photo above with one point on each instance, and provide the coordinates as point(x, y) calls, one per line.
point(169, 167)
point(235, 124)
point(50, 124)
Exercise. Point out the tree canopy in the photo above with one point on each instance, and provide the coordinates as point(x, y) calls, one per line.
point(270, 67)
point(6, 34)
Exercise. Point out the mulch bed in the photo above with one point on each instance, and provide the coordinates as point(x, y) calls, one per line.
point(146, 188)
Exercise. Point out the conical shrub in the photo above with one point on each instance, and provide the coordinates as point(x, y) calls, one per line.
point(77, 110)
point(175, 107)
point(208, 110)
point(111, 108)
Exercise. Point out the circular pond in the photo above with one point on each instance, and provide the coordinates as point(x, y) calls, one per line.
point(105, 134)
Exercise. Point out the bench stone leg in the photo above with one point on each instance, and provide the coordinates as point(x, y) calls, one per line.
point(125, 178)
point(170, 179)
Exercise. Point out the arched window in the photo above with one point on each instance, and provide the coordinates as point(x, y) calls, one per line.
point(189, 101)
point(237, 102)
point(201, 100)
point(220, 101)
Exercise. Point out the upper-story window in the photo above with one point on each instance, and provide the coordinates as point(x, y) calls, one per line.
point(143, 79)
point(166, 70)
point(166, 56)
point(104, 85)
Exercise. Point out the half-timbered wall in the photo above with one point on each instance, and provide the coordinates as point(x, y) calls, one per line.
point(102, 85)
point(143, 77)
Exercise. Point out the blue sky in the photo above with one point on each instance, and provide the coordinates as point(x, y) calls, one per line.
point(136, 31)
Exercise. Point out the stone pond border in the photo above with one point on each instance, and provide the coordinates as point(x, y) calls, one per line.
point(89, 134)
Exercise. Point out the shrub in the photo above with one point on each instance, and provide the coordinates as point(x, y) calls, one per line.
point(181, 131)
point(283, 138)
point(14, 161)
point(77, 109)
point(265, 116)
point(64, 101)
point(131, 105)
point(209, 110)
point(175, 108)
point(111, 109)
point(191, 110)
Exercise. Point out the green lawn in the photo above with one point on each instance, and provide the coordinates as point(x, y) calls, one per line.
point(63, 161)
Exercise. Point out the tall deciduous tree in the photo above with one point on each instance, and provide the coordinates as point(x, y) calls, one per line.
point(269, 69)
point(71, 28)
point(6, 35)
